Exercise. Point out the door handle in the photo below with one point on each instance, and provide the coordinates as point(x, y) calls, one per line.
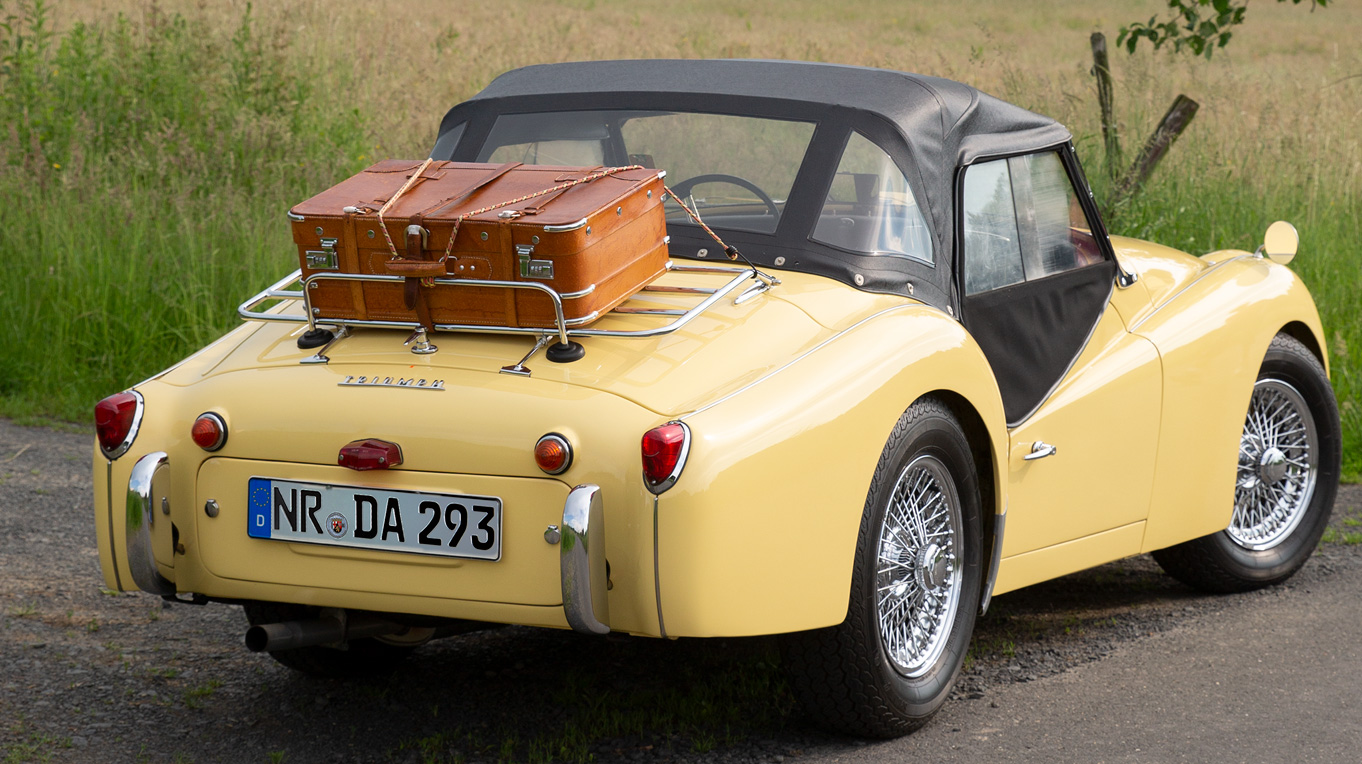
point(1039, 450)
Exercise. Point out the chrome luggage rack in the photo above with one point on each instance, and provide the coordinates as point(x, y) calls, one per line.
point(254, 309)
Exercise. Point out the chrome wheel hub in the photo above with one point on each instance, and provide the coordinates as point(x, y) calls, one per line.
point(932, 567)
point(918, 579)
point(1272, 466)
point(1278, 463)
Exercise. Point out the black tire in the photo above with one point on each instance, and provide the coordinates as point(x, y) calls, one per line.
point(361, 657)
point(844, 676)
point(1279, 515)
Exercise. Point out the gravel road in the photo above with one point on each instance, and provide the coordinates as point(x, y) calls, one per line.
point(88, 675)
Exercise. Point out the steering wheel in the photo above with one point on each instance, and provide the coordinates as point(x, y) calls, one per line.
point(684, 188)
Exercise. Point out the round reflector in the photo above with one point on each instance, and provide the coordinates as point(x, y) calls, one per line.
point(116, 420)
point(664, 455)
point(209, 431)
point(553, 454)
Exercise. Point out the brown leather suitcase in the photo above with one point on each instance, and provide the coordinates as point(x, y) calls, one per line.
point(594, 235)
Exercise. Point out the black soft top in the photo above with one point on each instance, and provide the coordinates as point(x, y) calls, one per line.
point(930, 126)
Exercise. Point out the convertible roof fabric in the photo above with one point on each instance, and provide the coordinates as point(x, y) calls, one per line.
point(930, 126)
point(945, 119)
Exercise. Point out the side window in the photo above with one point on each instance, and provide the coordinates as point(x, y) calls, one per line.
point(1023, 222)
point(870, 207)
point(992, 249)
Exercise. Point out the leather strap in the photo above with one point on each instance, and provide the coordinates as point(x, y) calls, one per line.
point(466, 192)
point(538, 206)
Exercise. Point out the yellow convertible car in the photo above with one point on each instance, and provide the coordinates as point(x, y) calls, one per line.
point(931, 377)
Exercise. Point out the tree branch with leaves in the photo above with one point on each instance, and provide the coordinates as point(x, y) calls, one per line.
point(1200, 26)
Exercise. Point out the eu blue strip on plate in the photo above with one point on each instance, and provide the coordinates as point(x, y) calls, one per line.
point(258, 504)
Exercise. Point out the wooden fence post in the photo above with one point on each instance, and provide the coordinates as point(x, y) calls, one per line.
point(1177, 119)
point(1101, 69)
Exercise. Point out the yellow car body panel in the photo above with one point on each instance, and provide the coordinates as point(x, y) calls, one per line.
point(759, 535)
point(790, 398)
point(809, 335)
point(1212, 336)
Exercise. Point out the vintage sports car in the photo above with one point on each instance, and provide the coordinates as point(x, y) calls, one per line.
point(931, 377)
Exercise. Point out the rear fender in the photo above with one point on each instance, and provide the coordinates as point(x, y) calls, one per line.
point(759, 535)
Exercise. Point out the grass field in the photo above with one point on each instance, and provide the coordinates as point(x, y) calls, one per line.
point(148, 151)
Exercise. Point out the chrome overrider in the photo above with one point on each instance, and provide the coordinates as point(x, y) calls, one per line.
point(583, 561)
point(582, 541)
point(140, 516)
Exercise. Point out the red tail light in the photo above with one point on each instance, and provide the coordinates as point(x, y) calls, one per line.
point(116, 420)
point(209, 431)
point(370, 454)
point(553, 454)
point(664, 455)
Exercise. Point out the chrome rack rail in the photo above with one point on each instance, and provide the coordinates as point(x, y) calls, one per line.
point(253, 309)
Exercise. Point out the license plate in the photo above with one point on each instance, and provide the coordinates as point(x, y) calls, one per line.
point(370, 518)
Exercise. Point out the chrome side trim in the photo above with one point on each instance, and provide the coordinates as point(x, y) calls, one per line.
point(657, 576)
point(568, 227)
point(113, 547)
point(140, 515)
point(999, 526)
point(122, 448)
point(1189, 285)
point(582, 561)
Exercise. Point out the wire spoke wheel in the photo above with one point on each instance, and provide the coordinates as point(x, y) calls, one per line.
point(918, 573)
point(1285, 484)
point(1278, 467)
point(915, 587)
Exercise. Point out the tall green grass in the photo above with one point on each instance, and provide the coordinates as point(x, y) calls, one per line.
point(146, 162)
point(1197, 206)
point(145, 169)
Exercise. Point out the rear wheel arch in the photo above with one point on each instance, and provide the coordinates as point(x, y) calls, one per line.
point(888, 667)
point(986, 467)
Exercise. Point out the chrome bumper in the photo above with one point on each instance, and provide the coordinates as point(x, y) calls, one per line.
point(582, 547)
point(583, 561)
point(140, 517)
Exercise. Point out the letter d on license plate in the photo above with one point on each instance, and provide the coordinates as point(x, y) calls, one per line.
point(369, 518)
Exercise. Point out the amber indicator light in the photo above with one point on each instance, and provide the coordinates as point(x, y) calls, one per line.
point(553, 454)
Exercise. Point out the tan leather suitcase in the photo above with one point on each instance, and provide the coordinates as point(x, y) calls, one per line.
point(594, 235)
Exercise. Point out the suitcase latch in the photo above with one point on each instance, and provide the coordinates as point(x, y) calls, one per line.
point(532, 269)
point(323, 259)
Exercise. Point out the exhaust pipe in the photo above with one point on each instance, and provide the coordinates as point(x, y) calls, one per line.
point(290, 635)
